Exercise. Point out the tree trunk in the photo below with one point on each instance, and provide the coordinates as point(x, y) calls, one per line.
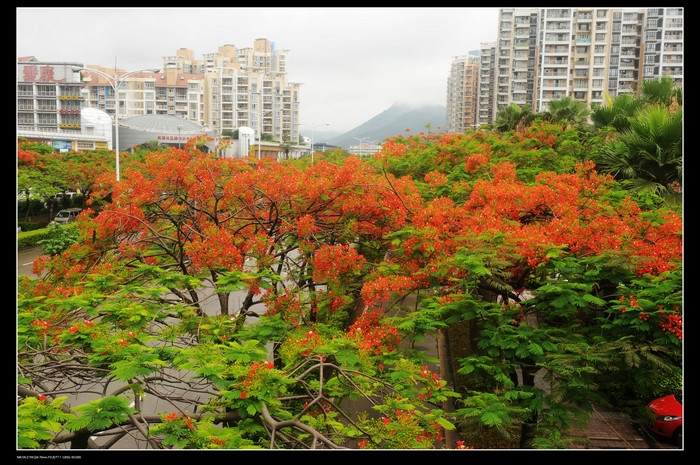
point(443, 350)
point(223, 302)
point(357, 310)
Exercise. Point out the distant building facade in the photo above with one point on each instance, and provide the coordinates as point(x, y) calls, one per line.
point(364, 149)
point(487, 60)
point(463, 93)
point(49, 107)
point(223, 91)
point(545, 54)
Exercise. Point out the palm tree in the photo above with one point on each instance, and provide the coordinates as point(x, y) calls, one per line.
point(568, 111)
point(153, 145)
point(648, 157)
point(514, 118)
point(615, 113)
point(662, 92)
point(286, 147)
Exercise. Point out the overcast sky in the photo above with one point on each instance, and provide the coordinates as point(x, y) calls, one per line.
point(353, 63)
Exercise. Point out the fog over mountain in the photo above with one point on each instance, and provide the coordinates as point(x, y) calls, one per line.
point(398, 119)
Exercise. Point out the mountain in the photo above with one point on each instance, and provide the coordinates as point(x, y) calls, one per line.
point(392, 122)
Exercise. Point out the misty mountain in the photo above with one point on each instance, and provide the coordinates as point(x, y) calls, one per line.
point(391, 122)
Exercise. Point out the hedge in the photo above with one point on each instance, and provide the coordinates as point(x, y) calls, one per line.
point(28, 225)
point(27, 239)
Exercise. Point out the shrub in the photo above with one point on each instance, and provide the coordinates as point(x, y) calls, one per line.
point(28, 225)
point(27, 239)
point(59, 237)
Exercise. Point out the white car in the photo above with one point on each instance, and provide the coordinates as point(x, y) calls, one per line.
point(67, 216)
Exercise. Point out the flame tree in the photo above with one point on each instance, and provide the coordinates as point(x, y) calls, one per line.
point(225, 303)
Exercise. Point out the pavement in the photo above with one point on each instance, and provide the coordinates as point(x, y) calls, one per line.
point(609, 429)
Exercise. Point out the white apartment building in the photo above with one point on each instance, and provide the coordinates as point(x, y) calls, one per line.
point(463, 93)
point(515, 54)
point(487, 57)
point(545, 54)
point(49, 107)
point(225, 90)
point(244, 87)
point(663, 44)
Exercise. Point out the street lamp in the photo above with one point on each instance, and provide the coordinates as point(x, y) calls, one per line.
point(115, 82)
point(179, 128)
point(312, 139)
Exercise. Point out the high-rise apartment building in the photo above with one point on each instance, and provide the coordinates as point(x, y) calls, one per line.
point(585, 53)
point(245, 87)
point(463, 93)
point(487, 58)
point(226, 90)
point(515, 54)
point(137, 92)
point(663, 44)
point(545, 54)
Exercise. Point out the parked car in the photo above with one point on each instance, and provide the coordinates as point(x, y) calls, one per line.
point(665, 417)
point(68, 215)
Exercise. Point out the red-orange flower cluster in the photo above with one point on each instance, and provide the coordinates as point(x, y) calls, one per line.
point(374, 334)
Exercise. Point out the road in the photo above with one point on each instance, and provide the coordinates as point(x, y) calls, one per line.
point(611, 429)
point(25, 260)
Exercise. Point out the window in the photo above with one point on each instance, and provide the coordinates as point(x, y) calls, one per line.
point(47, 118)
point(25, 118)
point(46, 91)
point(25, 104)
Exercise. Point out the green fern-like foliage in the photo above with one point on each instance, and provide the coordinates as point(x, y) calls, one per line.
point(38, 421)
point(100, 414)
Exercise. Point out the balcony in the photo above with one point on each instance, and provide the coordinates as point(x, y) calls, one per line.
point(677, 71)
point(557, 38)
